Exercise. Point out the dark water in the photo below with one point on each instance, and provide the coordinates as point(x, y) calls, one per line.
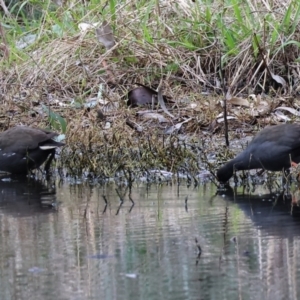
point(62, 241)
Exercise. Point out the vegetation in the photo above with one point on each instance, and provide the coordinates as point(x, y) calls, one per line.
point(70, 64)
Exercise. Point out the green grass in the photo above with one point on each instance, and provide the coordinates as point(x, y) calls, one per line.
point(225, 27)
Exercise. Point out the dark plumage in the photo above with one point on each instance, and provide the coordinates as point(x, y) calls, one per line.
point(274, 149)
point(24, 148)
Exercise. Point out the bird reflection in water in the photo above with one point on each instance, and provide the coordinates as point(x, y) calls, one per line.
point(266, 208)
point(22, 196)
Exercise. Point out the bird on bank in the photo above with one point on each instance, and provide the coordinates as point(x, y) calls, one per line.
point(274, 148)
point(23, 149)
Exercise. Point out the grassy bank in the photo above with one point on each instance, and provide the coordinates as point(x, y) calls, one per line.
point(201, 53)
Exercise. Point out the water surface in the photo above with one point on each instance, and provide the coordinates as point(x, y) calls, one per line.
point(79, 241)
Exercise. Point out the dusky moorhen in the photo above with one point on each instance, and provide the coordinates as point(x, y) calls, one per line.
point(274, 148)
point(25, 148)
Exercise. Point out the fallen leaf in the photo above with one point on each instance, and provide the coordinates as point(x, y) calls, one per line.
point(107, 125)
point(105, 35)
point(143, 95)
point(134, 125)
point(176, 128)
point(87, 26)
point(239, 101)
point(155, 116)
point(221, 119)
point(25, 41)
point(278, 79)
point(162, 103)
point(228, 95)
point(84, 26)
point(193, 105)
point(280, 115)
point(289, 109)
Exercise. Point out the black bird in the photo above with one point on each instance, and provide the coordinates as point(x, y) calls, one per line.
point(275, 148)
point(25, 148)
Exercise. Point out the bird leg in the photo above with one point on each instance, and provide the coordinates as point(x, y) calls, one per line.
point(49, 160)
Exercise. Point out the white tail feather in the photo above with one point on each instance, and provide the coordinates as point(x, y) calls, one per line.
point(47, 147)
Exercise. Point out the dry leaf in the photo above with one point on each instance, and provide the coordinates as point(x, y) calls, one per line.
point(260, 110)
point(105, 35)
point(86, 26)
point(221, 119)
point(280, 115)
point(162, 103)
point(278, 79)
point(176, 128)
point(193, 105)
point(289, 109)
point(134, 125)
point(228, 95)
point(155, 116)
point(143, 95)
point(239, 101)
